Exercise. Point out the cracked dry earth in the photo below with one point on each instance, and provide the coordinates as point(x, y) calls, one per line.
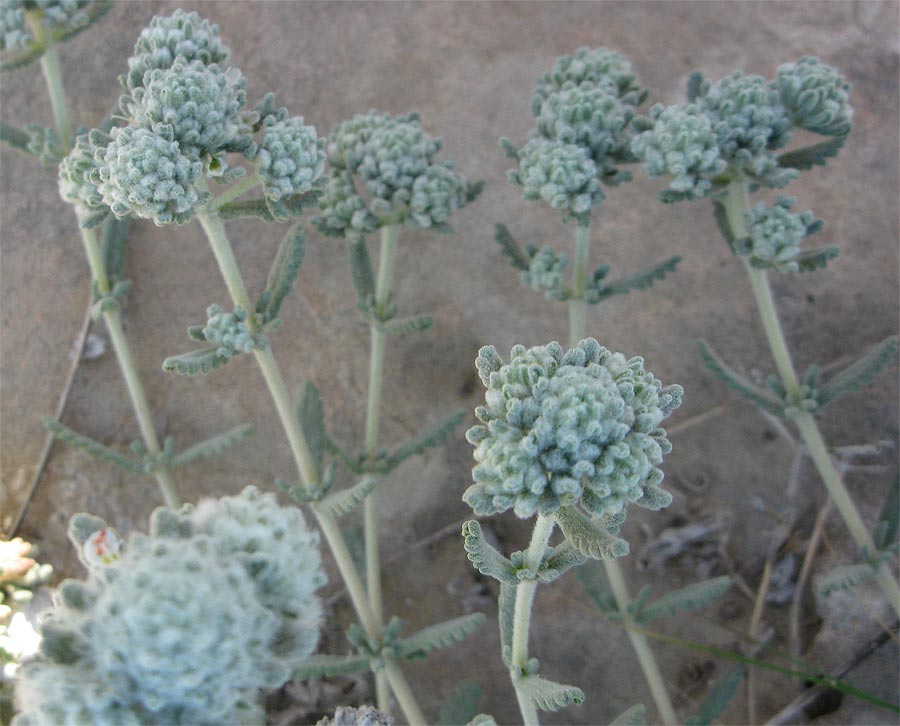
point(468, 69)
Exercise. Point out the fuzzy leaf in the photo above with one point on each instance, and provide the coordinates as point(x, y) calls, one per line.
point(212, 446)
point(889, 521)
point(549, 696)
point(22, 58)
point(860, 373)
point(812, 260)
point(346, 460)
point(810, 156)
point(361, 272)
point(82, 526)
point(340, 503)
point(510, 247)
point(845, 577)
point(316, 666)
point(114, 243)
point(694, 86)
point(506, 609)
point(194, 362)
point(634, 716)
point(721, 215)
point(245, 208)
point(284, 270)
point(693, 597)
point(564, 558)
point(462, 706)
point(402, 326)
point(595, 585)
point(95, 448)
point(441, 635)
point(589, 537)
point(484, 557)
point(474, 190)
point(311, 416)
point(95, 12)
point(762, 398)
point(718, 698)
point(639, 280)
point(15, 137)
point(429, 438)
point(482, 719)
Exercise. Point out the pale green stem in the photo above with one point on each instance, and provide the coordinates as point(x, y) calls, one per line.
point(525, 591)
point(400, 686)
point(578, 302)
point(244, 184)
point(577, 332)
point(736, 204)
point(221, 247)
point(373, 410)
point(129, 369)
point(53, 77)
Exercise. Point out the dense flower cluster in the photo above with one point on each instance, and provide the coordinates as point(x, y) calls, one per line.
point(562, 428)
point(399, 179)
point(54, 15)
point(186, 625)
point(291, 159)
point(734, 127)
point(229, 332)
point(361, 716)
point(545, 272)
point(775, 234)
point(75, 177)
point(561, 174)
point(179, 35)
point(816, 96)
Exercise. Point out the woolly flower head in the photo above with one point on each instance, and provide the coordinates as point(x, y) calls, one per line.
point(589, 116)
point(229, 332)
point(143, 172)
point(561, 174)
point(179, 35)
point(545, 272)
point(200, 102)
point(361, 716)
point(54, 15)
point(435, 195)
point(75, 170)
point(816, 96)
point(681, 144)
point(597, 66)
point(775, 234)
point(558, 429)
point(280, 554)
point(343, 211)
point(291, 159)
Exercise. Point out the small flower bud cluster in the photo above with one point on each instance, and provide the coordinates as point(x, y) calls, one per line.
point(561, 174)
point(560, 429)
point(393, 159)
point(229, 332)
point(775, 234)
point(186, 626)
point(816, 96)
point(55, 15)
point(75, 177)
point(545, 273)
point(179, 35)
point(291, 159)
point(361, 716)
point(733, 127)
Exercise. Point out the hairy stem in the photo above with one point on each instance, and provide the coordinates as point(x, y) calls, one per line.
point(577, 331)
point(244, 184)
point(53, 78)
point(373, 410)
point(129, 370)
point(221, 247)
point(525, 590)
point(736, 204)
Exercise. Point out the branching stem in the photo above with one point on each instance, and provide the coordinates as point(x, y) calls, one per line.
point(242, 185)
point(53, 77)
point(736, 202)
point(577, 331)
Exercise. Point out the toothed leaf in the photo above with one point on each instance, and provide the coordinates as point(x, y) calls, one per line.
point(311, 416)
point(638, 281)
point(549, 696)
point(718, 698)
point(340, 503)
point(860, 373)
point(441, 635)
point(563, 558)
point(762, 398)
point(361, 272)
point(212, 446)
point(429, 438)
point(22, 58)
point(17, 138)
point(348, 462)
point(845, 577)
point(316, 666)
point(511, 248)
point(688, 599)
point(114, 243)
point(194, 362)
point(812, 260)
point(506, 609)
point(95, 448)
point(634, 716)
point(284, 270)
point(484, 557)
point(407, 325)
point(462, 706)
point(588, 536)
point(245, 208)
point(810, 156)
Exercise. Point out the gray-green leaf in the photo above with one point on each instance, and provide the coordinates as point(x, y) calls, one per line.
point(95, 448)
point(634, 716)
point(401, 326)
point(212, 446)
point(462, 706)
point(589, 537)
point(311, 415)
point(441, 635)
point(429, 438)
point(639, 280)
point(506, 608)
point(718, 698)
point(549, 696)
point(340, 503)
point(762, 398)
point(859, 373)
point(563, 558)
point(689, 599)
point(316, 666)
point(484, 557)
point(194, 362)
point(889, 522)
point(114, 243)
point(284, 270)
point(810, 156)
point(510, 247)
point(361, 272)
point(845, 577)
